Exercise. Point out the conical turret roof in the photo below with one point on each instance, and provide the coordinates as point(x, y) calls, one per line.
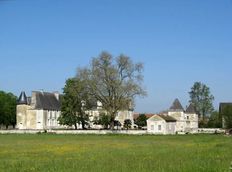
point(22, 98)
point(176, 106)
point(191, 109)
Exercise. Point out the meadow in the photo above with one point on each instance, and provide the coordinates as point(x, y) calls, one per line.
point(54, 153)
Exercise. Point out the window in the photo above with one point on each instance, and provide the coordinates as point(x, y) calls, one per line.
point(50, 115)
point(159, 127)
point(152, 127)
point(187, 117)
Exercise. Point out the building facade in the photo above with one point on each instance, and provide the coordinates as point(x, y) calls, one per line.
point(186, 120)
point(161, 124)
point(42, 110)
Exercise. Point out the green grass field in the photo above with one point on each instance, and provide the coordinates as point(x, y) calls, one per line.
point(50, 153)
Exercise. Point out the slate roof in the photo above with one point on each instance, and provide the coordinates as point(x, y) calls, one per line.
point(136, 115)
point(191, 109)
point(168, 118)
point(164, 117)
point(176, 106)
point(22, 98)
point(46, 101)
point(223, 105)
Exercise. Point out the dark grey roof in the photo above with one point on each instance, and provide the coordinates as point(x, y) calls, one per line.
point(223, 105)
point(176, 106)
point(191, 109)
point(47, 101)
point(22, 98)
point(168, 118)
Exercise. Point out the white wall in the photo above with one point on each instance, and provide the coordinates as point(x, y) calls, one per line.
point(39, 119)
point(156, 127)
point(170, 128)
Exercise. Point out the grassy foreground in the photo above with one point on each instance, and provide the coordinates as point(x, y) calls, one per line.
point(115, 153)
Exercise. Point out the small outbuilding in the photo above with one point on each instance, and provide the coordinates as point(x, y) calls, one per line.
point(161, 124)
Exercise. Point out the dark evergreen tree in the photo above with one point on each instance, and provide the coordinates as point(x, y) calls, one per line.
point(7, 109)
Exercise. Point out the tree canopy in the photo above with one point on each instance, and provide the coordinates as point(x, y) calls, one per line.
point(202, 99)
point(127, 123)
point(114, 81)
point(7, 109)
point(141, 121)
point(103, 120)
point(75, 101)
point(215, 121)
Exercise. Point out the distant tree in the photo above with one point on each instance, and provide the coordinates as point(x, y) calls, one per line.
point(117, 124)
point(7, 109)
point(75, 102)
point(214, 120)
point(141, 121)
point(127, 123)
point(227, 116)
point(103, 120)
point(114, 82)
point(202, 98)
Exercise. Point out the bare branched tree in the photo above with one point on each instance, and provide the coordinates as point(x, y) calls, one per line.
point(115, 82)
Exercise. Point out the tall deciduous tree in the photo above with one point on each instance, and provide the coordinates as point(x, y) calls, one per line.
point(75, 101)
point(114, 82)
point(202, 98)
point(7, 109)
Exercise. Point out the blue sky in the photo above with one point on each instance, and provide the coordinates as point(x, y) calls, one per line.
point(180, 42)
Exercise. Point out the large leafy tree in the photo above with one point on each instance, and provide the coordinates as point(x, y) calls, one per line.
point(75, 101)
point(114, 82)
point(7, 109)
point(202, 98)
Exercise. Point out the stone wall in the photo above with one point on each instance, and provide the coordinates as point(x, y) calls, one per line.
point(100, 132)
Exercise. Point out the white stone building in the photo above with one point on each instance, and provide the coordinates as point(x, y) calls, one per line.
point(42, 110)
point(161, 124)
point(186, 120)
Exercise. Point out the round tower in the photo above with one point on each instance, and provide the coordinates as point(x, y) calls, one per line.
point(21, 111)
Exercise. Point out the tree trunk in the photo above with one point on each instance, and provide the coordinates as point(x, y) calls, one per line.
point(112, 118)
point(75, 125)
point(83, 125)
point(112, 125)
